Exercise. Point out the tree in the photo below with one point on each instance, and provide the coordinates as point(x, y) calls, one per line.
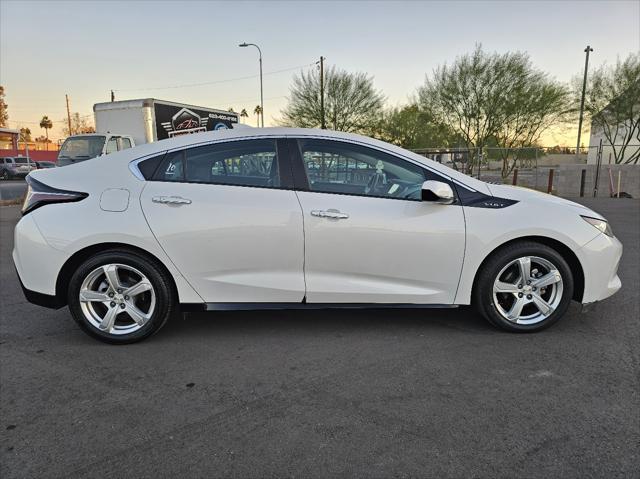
point(47, 124)
point(257, 110)
point(613, 103)
point(351, 102)
point(244, 114)
point(79, 125)
point(412, 128)
point(4, 116)
point(25, 134)
point(535, 103)
point(493, 97)
point(231, 110)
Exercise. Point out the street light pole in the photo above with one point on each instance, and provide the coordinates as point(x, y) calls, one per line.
point(244, 44)
point(584, 89)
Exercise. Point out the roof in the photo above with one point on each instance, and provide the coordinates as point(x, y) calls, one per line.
point(9, 130)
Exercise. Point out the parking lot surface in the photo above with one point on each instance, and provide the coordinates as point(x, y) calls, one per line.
point(386, 393)
point(10, 189)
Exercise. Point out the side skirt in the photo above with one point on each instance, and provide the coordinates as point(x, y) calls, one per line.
point(200, 307)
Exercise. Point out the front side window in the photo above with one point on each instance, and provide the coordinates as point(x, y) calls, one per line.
point(112, 145)
point(337, 167)
point(243, 163)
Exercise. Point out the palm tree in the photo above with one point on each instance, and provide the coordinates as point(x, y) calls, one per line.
point(244, 114)
point(230, 109)
point(47, 124)
point(257, 110)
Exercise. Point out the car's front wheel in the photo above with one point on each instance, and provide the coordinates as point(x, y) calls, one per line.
point(524, 287)
point(120, 297)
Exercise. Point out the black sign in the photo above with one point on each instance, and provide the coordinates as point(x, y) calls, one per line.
point(174, 120)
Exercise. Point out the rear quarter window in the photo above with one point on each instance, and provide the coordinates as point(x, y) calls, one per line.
point(148, 167)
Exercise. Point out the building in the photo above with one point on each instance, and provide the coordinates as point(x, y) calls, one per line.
point(9, 139)
point(10, 146)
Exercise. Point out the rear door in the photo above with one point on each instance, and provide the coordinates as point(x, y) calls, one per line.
point(227, 216)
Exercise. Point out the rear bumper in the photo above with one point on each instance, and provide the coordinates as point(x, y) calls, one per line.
point(40, 299)
point(600, 260)
point(36, 263)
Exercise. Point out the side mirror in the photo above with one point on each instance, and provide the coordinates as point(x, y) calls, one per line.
point(437, 191)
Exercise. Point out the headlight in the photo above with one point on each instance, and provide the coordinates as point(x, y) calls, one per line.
point(602, 225)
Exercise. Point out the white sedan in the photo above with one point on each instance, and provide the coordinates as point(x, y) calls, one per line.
point(295, 218)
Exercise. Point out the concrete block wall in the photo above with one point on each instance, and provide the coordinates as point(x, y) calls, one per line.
point(567, 180)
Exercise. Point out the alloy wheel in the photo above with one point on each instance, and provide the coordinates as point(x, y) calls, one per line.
point(527, 290)
point(117, 299)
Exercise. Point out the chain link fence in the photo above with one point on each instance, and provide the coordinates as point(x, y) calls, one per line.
point(538, 167)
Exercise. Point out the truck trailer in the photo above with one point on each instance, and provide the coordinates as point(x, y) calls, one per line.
point(126, 123)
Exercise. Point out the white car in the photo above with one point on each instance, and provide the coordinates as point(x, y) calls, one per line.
point(296, 218)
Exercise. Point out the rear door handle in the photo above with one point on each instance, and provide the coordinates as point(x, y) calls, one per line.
point(332, 214)
point(171, 200)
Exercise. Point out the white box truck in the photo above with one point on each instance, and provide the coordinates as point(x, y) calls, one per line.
point(123, 124)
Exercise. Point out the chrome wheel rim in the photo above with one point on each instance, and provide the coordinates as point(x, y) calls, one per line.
point(117, 299)
point(527, 290)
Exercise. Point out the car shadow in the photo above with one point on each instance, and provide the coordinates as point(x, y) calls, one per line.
point(463, 319)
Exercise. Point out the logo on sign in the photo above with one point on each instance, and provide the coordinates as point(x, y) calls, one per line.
point(185, 122)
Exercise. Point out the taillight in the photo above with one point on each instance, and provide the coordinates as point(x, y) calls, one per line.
point(39, 194)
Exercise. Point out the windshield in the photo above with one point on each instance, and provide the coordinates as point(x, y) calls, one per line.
point(81, 148)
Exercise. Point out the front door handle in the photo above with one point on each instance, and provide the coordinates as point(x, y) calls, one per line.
point(332, 214)
point(171, 200)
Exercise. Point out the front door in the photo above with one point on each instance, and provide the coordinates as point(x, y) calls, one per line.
point(222, 214)
point(368, 236)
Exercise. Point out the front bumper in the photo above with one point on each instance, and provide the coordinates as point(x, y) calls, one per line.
point(600, 260)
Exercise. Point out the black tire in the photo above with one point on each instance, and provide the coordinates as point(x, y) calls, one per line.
point(4, 175)
point(483, 299)
point(159, 279)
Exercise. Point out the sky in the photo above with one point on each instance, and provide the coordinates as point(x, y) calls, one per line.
point(140, 48)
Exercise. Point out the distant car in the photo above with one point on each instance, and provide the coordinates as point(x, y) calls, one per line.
point(294, 218)
point(13, 167)
point(45, 164)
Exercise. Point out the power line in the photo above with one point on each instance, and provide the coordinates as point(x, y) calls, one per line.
point(189, 85)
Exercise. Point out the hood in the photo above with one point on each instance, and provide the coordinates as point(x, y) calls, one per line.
point(532, 196)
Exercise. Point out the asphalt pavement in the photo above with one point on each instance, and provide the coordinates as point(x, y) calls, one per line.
point(404, 393)
point(10, 189)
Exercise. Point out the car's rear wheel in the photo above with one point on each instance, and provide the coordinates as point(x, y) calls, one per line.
point(120, 297)
point(524, 287)
point(4, 175)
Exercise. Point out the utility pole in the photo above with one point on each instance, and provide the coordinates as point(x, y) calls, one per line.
point(68, 114)
point(584, 89)
point(323, 125)
point(113, 96)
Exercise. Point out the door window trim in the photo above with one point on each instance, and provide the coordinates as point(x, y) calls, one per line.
point(282, 156)
point(302, 180)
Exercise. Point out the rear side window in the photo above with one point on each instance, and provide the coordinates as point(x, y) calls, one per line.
point(125, 143)
point(172, 168)
point(148, 167)
point(242, 163)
